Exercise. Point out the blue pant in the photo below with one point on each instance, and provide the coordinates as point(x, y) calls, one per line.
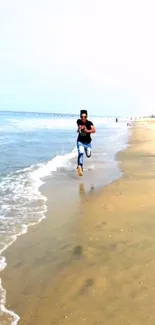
point(81, 147)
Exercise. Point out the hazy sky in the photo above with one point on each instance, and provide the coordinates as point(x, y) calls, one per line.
point(63, 55)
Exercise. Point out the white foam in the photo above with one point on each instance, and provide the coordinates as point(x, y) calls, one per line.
point(19, 210)
point(14, 317)
point(3, 264)
point(54, 164)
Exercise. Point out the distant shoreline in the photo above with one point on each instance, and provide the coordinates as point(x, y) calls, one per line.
point(56, 114)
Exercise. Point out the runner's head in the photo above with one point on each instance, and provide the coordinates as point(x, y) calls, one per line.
point(83, 115)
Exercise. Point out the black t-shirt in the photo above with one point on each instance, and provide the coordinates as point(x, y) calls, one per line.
point(83, 136)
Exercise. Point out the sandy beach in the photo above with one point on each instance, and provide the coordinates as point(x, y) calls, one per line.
point(95, 265)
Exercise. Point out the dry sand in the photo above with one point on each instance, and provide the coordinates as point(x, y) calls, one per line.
point(98, 268)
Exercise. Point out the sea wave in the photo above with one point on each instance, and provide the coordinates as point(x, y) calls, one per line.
point(23, 205)
point(23, 124)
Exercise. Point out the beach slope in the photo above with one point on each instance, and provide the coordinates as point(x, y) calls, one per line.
point(102, 272)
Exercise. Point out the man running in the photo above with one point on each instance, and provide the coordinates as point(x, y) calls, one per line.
point(85, 128)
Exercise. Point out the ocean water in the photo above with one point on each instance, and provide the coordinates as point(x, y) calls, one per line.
point(34, 147)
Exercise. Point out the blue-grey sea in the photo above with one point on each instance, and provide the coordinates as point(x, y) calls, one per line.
point(34, 147)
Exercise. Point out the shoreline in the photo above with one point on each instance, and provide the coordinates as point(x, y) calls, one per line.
point(76, 191)
point(69, 267)
point(82, 192)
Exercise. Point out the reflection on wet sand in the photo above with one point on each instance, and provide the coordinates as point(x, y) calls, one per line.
point(83, 192)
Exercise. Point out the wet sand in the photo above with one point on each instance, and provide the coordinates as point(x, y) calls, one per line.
point(96, 265)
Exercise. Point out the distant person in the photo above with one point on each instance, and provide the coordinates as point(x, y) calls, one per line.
point(85, 128)
point(116, 120)
point(129, 122)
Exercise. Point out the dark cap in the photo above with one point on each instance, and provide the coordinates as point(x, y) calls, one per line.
point(83, 111)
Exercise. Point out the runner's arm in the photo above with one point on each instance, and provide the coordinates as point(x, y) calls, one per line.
point(92, 130)
point(79, 124)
